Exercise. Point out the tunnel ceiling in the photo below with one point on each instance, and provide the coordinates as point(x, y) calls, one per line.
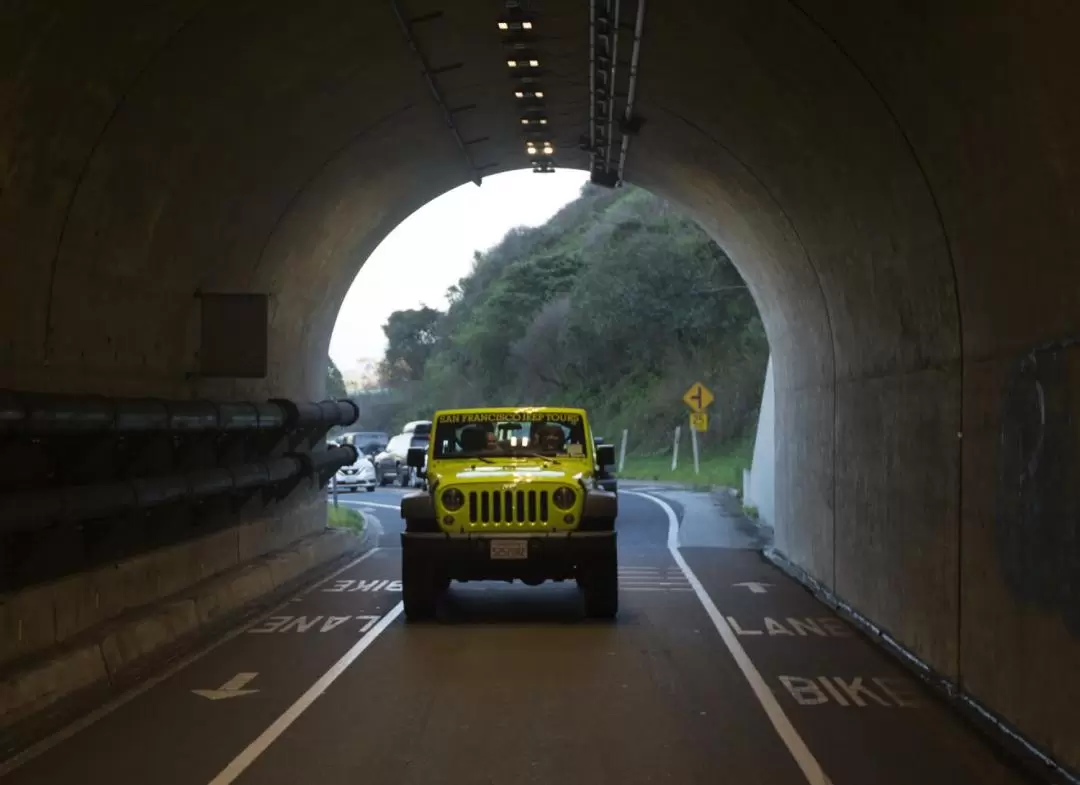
point(159, 150)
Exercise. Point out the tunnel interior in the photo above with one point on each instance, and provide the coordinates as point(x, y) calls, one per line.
point(896, 182)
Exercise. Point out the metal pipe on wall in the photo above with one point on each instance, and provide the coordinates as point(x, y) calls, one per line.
point(44, 414)
point(32, 511)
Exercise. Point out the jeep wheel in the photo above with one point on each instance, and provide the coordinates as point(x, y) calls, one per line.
point(404, 474)
point(420, 589)
point(600, 585)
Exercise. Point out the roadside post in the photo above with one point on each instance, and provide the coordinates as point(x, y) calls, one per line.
point(675, 451)
point(622, 449)
point(333, 488)
point(697, 398)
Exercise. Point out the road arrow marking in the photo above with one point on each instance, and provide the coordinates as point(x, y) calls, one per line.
point(230, 689)
point(754, 586)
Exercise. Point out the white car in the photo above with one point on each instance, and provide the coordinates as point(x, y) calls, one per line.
point(360, 474)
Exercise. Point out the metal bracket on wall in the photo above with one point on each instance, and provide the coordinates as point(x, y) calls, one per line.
point(429, 76)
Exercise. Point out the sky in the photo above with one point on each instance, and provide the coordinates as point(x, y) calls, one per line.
point(433, 248)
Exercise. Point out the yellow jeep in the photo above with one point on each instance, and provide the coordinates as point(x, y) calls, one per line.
point(512, 494)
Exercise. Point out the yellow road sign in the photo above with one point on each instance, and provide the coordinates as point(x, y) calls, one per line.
point(699, 421)
point(698, 397)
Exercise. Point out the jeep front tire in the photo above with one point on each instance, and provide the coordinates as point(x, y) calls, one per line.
point(420, 587)
point(599, 582)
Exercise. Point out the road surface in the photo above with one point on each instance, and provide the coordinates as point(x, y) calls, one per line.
point(718, 669)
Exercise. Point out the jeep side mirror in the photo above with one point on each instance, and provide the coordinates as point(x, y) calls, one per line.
point(414, 459)
point(605, 456)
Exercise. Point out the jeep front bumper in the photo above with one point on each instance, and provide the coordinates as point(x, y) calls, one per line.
point(554, 555)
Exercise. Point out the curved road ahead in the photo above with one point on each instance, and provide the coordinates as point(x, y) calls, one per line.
point(718, 670)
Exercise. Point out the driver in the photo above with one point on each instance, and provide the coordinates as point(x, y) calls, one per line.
point(475, 438)
point(548, 438)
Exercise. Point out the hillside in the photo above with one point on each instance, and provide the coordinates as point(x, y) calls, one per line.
point(618, 303)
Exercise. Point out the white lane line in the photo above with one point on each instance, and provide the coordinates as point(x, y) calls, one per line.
point(84, 722)
point(804, 759)
point(267, 737)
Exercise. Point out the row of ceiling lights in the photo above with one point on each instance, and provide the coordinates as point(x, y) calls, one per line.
point(524, 68)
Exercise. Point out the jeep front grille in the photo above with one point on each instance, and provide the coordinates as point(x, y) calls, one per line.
point(506, 507)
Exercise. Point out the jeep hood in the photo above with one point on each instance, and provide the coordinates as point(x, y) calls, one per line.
point(517, 473)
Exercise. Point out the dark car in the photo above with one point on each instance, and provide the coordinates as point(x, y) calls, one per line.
point(367, 442)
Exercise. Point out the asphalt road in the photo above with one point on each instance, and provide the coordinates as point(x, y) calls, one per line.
point(718, 669)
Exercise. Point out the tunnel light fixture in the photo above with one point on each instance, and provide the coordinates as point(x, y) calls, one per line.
point(515, 24)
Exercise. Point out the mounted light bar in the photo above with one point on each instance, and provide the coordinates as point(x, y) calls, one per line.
point(542, 165)
point(518, 42)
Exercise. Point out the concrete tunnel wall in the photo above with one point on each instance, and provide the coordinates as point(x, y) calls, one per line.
point(898, 184)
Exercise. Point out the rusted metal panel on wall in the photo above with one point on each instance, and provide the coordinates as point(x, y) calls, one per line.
point(234, 333)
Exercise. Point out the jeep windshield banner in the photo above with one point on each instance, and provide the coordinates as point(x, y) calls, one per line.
point(527, 433)
point(564, 418)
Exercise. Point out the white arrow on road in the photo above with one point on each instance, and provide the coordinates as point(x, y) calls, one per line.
point(754, 586)
point(230, 689)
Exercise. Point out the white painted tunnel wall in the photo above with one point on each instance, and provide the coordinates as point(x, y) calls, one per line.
point(759, 481)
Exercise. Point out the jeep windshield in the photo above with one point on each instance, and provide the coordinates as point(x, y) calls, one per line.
point(487, 435)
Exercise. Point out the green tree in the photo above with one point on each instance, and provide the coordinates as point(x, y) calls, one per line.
point(617, 303)
point(335, 382)
point(410, 337)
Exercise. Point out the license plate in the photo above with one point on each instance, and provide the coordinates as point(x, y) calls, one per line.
point(509, 549)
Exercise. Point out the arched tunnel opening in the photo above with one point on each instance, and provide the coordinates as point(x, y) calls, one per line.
point(187, 190)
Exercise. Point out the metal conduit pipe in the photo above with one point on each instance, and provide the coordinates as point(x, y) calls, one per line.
point(324, 414)
point(429, 77)
point(639, 25)
point(592, 85)
point(42, 414)
point(31, 511)
point(614, 53)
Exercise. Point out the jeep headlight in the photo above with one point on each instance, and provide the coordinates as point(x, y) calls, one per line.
point(453, 499)
point(564, 498)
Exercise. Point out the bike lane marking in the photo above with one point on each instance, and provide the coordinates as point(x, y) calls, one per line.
point(804, 758)
point(282, 646)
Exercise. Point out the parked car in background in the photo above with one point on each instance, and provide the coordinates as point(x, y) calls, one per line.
point(390, 464)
